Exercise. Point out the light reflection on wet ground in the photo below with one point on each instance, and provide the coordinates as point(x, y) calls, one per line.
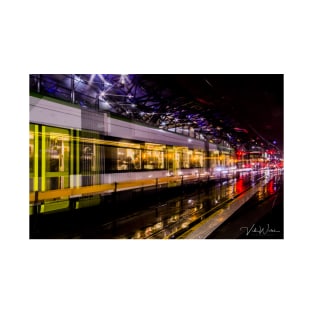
point(162, 221)
point(268, 189)
point(259, 218)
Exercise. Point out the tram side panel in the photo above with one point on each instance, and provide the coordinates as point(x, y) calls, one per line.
point(46, 112)
point(133, 131)
point(49, 113)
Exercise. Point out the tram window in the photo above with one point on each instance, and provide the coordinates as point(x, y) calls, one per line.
point(53, 158)
point(122, 159)
point(214, 158)
point(92, 157)
point(137, 159)
point(133, 159)
point(185, 158)
point(196, 159)
point(57, 152)
point(178, 160)
point(152, 159)
point(86, 158)
point(128, 159)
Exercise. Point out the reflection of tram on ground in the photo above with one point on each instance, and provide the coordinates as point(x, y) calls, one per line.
point(72, 147)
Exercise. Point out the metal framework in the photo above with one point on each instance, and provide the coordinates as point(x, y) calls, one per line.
point(170, 102)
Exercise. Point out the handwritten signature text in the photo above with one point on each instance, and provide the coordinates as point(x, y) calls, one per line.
point(261, 230)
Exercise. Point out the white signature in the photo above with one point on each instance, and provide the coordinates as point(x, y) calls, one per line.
point(260, 230)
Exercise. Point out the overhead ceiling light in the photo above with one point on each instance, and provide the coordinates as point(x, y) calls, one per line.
point(78, 79)
point(105, 82)
point(124, 79)
point(91, 79)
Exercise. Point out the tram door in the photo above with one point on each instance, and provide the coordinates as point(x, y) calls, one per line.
point(55, 158)
point(173, 157)
point(177, 160)
point(54, 163)
point(170, 161)
point(86, 163)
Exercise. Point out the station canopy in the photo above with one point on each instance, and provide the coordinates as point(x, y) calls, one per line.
point(207, 105)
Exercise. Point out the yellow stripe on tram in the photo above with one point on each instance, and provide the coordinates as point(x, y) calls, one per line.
point(36, 159)
point(72, 158)
point(43, 158)
point(77, 159)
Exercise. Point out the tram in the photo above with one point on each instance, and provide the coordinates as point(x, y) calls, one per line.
point(72, 147)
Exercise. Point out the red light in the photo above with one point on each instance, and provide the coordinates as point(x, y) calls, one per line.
point(240, 153)
point(239, 186)
point(270, 187)
point(237, 129)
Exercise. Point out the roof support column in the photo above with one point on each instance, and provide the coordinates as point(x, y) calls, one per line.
point(38, 83)
point(73, 88)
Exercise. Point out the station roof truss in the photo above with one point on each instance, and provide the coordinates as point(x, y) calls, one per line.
point(194, 102)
